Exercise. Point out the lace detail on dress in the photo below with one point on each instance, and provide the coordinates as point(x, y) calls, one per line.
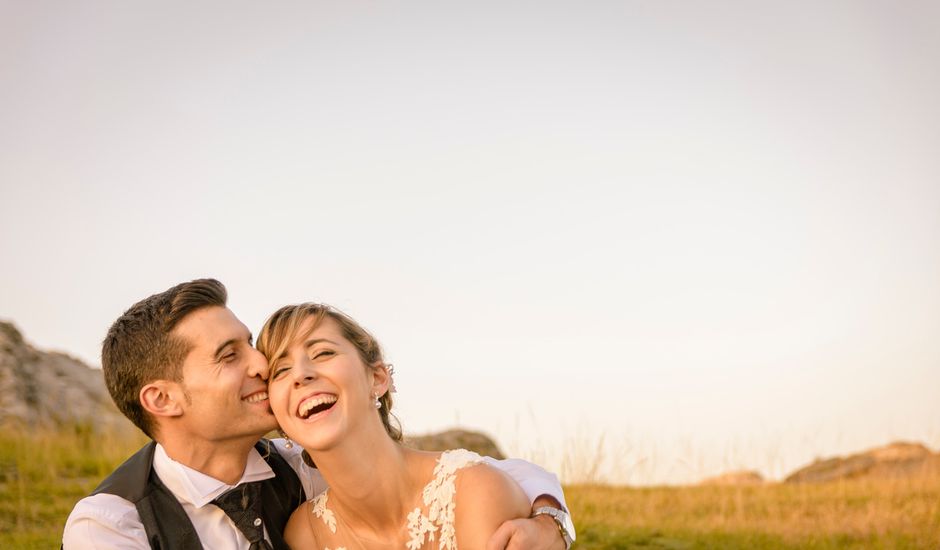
point(320, 510)
point(439, 498)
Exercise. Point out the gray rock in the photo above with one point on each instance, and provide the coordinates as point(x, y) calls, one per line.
point(51, 389)
point(896, 460)
point(456, 439)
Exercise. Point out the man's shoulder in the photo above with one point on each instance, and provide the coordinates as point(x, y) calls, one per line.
point(108, 517)
point(103, 520)
point(129, 480)
point(113, 507)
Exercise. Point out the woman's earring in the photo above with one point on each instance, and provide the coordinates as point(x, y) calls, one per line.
point(287, 442)
point(378, 404)
point(391, 378)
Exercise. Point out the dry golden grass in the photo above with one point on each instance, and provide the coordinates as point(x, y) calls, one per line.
point(901, 513)
point(42, 474)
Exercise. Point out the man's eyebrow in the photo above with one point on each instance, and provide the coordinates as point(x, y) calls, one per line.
point(229, 342)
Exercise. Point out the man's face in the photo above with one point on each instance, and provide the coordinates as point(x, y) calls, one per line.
point(223, 379)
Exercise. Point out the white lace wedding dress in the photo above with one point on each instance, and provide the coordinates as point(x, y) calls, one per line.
point(430, 527)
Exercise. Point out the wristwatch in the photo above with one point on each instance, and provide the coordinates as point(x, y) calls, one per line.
point(562, 519)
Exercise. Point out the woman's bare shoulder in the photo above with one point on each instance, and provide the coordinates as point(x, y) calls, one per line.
point(298, 533)
point(485, 498)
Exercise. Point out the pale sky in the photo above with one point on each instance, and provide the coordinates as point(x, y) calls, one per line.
point(696, 236)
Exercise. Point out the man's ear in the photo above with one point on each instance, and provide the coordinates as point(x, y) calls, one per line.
point(162, 398)
point(380, 378)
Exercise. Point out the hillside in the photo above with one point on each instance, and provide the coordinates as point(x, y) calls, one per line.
point(49, 389)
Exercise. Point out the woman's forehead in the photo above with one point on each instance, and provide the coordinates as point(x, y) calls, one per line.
point(316, 325)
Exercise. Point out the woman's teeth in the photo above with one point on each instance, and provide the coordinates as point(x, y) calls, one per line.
point(316, 404)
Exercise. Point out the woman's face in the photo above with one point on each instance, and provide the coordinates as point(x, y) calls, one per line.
point(321, 389)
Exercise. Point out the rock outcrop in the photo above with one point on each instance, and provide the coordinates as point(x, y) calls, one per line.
point(456, 439)
point(50, 389)
point(739, 478)
point(896, 460)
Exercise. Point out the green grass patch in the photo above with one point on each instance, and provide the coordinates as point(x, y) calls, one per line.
point(44, 473)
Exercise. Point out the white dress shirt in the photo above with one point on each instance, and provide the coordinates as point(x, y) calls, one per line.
point(109, 521)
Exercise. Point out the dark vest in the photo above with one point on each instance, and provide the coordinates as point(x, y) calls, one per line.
point(166, 523)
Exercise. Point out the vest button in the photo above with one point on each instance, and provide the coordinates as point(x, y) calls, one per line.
point(257, 522)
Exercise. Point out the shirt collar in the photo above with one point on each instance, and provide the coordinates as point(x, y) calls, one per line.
point(197, 488)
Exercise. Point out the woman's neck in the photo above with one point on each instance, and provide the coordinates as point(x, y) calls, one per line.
point(373, 483)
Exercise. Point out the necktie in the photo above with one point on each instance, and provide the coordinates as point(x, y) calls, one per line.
point(243, 506)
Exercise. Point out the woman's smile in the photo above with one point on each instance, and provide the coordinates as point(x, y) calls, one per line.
point(316, 406)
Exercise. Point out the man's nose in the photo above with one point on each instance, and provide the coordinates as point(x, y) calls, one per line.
point(257, 365)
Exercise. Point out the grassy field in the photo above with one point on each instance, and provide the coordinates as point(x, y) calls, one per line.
point(43, 474)
point(856, 514)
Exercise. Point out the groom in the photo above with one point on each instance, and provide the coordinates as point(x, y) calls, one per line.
point(182, 367)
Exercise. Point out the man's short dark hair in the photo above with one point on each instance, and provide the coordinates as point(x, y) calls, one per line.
point(140, 348)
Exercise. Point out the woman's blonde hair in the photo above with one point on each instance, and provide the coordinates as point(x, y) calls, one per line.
point(283, 328)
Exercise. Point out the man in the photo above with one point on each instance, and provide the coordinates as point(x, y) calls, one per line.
point(182, 367)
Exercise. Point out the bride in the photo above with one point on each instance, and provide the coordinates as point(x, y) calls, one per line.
point(329, 388)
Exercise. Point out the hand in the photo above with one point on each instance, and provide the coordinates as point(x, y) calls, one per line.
point(538, 533)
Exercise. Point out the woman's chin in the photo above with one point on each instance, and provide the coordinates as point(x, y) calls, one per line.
point(318, 438)
point(319, 444)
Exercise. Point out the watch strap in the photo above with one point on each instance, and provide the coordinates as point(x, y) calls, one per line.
point(556, 514)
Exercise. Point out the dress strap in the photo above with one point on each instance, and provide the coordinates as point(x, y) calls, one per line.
point(439, 496)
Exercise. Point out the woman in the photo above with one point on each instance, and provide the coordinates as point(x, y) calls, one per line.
point(329, 389)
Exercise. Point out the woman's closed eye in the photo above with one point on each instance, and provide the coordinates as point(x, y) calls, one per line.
point(278, 371)
point(321, 354)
